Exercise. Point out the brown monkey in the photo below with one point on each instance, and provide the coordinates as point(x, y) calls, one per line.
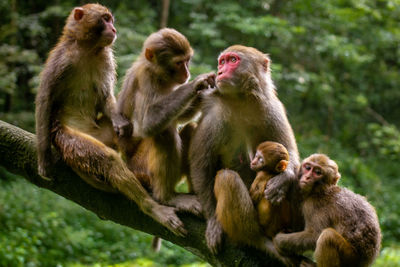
point(271, 159)
point(156, 97)
point(341, 226)
point(75, 110)
point(242, 112)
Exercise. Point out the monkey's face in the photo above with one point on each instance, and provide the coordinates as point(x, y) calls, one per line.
point(310, 174)
point(317, 171)
point(94, 25)
point(228, 65)
point(180, 68)
point(109, 33)
point(258, 161)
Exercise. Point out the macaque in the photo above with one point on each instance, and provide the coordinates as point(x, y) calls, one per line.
point(341, 226)
point(155, 98)
point(271, 159)
point(243, 111)
point(76, 111)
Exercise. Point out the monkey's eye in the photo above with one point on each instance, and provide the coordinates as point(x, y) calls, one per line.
point(261, 160)
point(107, 17)
point(307, 167)
point(179, 63)
point(222, 61)
point(318, 172)
point(233, 59)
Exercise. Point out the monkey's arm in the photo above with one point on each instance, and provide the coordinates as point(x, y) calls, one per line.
point(258, 186)
point(126, 98)
point(49, 97)
point(167, 109)
point(191, 110)
point(296, 243)
point(122, 125)
point(278, 187)
point(203, 158)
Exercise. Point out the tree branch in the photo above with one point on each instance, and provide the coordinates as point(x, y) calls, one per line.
point(18, 155)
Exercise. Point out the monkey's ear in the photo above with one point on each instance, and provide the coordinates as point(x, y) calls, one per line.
point(281, 166)
point(149, 54)
point(78, 13)
point(337, 177)
point(266, 62)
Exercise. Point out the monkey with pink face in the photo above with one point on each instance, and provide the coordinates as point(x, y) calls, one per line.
point(243, 112)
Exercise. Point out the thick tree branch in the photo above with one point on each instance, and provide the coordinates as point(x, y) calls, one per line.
point(18, 155)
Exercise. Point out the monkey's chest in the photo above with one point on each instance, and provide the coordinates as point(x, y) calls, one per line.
point(235, 154)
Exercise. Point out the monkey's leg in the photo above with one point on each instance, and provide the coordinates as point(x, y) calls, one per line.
point(94, 160)
point(235, 210)
point(186, 135)
point(264, 212)
point(165, 165)
point(333, 250)
point(236, 213)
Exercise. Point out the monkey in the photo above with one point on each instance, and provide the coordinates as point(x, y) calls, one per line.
point(156, 97)
point(341, 226)
point(76, 111)
point(271, 158)
point(242, 111)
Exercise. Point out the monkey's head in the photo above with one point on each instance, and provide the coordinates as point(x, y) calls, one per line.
point(241, 68)
point(91, 24)
point(271, 157)
point(318, 171)
point(169, 53)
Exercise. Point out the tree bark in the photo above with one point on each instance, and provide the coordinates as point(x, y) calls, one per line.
point(18, 155)
point(164, 14)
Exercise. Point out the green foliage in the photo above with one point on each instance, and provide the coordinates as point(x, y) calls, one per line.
point(390, 257)
point(336, 66)
point(40, 228)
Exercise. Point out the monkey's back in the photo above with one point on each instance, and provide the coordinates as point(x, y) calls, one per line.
point(358, 223)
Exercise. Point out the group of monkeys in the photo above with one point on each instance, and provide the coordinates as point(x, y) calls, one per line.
point(248, 189)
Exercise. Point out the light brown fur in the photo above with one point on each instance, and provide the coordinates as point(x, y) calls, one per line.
point(76, 111)
point(271, 159)
point(156, 97)
point(243, 112)
point(341, 226)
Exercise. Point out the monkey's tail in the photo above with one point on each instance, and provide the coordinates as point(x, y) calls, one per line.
point(156, 244)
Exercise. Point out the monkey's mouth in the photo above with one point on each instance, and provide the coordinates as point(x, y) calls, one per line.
point(109, 38)
point(303, 184)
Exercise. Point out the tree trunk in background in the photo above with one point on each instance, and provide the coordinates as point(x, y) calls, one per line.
point(18, 155)
point(164, 14)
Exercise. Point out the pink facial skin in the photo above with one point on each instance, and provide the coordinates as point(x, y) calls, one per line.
point(109, 32)
point(183, 73)
point(227, 64)
point(257, 162)
point(310, 173)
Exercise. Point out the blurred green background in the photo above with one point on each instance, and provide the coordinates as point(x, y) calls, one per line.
point(336, 66)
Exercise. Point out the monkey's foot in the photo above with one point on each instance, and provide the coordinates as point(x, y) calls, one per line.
point(186, 203)
point(167, 217)
point(214, 235)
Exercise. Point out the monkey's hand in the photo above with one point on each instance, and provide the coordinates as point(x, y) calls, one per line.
point(278, 187)
point(214, 235)
point(122, 126)
point(280, 241)
point(204, 81)
point(257, 190)
point(44, 164)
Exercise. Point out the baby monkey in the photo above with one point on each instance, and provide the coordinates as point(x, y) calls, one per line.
point(271, 159)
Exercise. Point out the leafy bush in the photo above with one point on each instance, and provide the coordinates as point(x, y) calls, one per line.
point(40, 228)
